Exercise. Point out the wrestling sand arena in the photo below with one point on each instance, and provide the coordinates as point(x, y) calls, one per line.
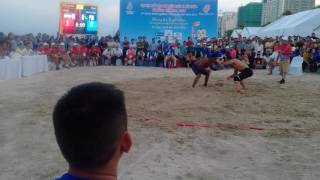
point(269, 132)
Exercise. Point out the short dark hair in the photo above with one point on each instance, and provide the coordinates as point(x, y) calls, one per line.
point(88, 121)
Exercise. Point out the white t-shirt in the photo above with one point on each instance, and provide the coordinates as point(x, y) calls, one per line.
point(274, 56)
point(258, 47)
point(117, 52)
point(107, 52)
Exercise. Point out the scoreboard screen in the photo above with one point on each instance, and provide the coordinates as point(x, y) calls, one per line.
point(78, 19)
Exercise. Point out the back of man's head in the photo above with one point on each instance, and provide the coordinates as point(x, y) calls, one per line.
point(89, 121)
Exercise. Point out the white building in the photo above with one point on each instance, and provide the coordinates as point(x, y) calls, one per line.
point(274, 9)
point(228, 22)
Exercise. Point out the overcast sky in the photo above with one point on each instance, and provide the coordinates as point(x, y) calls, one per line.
point(25, 16)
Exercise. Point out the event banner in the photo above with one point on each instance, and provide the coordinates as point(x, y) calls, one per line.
point(172, 19)
point(78, 19)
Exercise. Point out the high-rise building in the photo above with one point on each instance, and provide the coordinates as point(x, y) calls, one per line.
point(228, 22)
point(250, 15)
point(274, 9)
point(220, 33)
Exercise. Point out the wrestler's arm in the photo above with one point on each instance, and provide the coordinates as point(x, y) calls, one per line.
point(234, 74)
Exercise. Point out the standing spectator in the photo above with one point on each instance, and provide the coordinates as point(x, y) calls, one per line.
point(133, 44)
point(145, 45)
point(258, 47)
point(285, 51)
point(269, 47)
point(272, 61)
point(140, 44)
point(182, 53)
point(154, 45)
point(125, 46)
point(306, 58)
point(83, 55)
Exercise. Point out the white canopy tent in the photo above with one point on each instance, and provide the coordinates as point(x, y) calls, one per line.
point(236, 33)
point(299, 24)
point(249, 32)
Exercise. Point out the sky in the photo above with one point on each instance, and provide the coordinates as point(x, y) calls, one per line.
point(25, 16)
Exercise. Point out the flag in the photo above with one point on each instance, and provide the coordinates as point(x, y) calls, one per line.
point(196, 23)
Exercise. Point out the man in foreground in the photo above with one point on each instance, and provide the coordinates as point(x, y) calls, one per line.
point(90, 124)
point(201, 67)
point(245, 72)
point(285, 51)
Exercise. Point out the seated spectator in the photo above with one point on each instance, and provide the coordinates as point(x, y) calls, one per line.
point(140, 55)
point(133, 44)
point(154, 45)
point(19, 51)
point(95, 54)
point(90, 125)
point(64, 56)
point(152, 56)
point(315, 60)
point(117, 52)
point(29, 50)
point(260, 61)
point(130, 57)
point(170, 59)
point(44, 49)
point(75, 53)
point(107, 56)
point(306, 58)
point(199, 51)
point(83, 55)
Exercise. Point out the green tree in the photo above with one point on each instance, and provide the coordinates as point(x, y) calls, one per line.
point(228, 33)
point(266, 24)
point(287, 13)
point(241, 25)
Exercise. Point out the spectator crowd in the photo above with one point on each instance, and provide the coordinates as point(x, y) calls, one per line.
point(72, 51)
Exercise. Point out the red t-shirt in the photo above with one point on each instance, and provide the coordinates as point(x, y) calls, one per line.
point(95, 51)
point(56, 50)
point(75, 51)
point(130, 54)
point(83, 51)
point(189, 43)
point(285, 49)
point(232, 53)
point(44, 50)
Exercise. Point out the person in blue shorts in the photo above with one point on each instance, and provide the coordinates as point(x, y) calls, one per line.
point(201, 67)
point(90, 124)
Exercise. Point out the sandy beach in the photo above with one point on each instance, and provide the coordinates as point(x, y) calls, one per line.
point(269, 132)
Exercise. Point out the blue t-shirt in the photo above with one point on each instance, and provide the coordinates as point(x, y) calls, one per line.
point(68, 176)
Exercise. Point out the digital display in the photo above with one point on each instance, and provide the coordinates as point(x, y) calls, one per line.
point(78, 19)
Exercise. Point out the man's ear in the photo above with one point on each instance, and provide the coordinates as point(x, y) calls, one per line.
point(126, 142)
